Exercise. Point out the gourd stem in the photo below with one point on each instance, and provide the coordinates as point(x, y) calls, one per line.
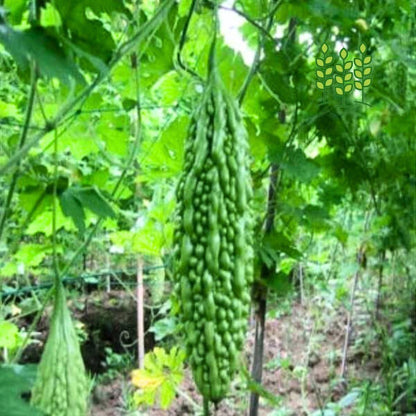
point(211, 59)
point(206, 406)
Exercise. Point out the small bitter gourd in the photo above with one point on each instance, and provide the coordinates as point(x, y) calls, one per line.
point(213, 239)
point(61, 387)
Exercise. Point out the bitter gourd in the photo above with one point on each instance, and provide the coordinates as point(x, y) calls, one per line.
point(213, 239)
point(61, 387)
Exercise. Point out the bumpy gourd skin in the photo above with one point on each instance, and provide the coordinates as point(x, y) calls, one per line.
point(61, 387)
point(213, 240)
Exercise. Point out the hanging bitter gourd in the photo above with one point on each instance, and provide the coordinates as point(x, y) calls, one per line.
point(61, 387)
point(213, 240)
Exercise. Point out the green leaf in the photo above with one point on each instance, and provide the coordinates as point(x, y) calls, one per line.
point(167, 394)
point(16, 9)
point(316, 217)
point(298, 166)
point(164, 158)
point(9, 333)
point(32, 255)
point(43, 223)
point(36, 44)
point(72, 207)
point(50, 17)
point(86, 33)
point(92, 199)
point(164, 327)
point(8, 110)
point(113, 130)
point(162, 373)
point(183, 8)
point(16, 380)
point(279, 243)
point(280, 283)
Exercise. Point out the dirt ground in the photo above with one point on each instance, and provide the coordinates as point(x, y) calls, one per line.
point(302, 362)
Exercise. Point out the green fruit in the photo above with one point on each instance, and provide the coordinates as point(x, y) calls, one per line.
point(61, 386)
point(213, 237)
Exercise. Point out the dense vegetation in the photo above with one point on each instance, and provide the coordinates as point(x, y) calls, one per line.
point(151, 151)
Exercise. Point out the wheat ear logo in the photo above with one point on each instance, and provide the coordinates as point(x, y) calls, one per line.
point(324, 70)
point(363, 71)
point(343, 75)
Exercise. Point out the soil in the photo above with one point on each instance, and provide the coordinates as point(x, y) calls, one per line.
point(302, 360)
point(109, 320)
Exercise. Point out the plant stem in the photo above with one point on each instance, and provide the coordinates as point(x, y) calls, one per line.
point(188, 399)
point(380, 283)
point(349, 325)
point(260, 295)
point(28, 117)
point(256, 62)
point(206, 407)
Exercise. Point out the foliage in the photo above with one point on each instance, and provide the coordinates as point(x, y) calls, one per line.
point(16, 382)
point(89, 164)
point(160, 377)
point(11, 338)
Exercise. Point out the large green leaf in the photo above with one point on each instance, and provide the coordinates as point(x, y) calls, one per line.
point(89, 34)
point(36, 44)
point(75, 199)
point(72, 207)
point(298, 166)
point(16, 382)
point(92, 199)
point(16, 8)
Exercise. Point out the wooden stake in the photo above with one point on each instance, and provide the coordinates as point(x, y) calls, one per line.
point(140, 313)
